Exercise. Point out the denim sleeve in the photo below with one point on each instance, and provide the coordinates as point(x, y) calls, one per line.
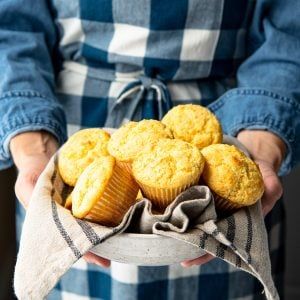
point(268, 93)
point(27, 98)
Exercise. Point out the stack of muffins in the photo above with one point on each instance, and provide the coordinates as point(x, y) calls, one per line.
point(156, 160)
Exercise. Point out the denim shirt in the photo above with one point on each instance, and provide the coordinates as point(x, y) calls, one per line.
point(256, 43)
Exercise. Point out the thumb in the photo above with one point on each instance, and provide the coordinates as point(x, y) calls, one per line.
point(273, 187)
point(24, 186)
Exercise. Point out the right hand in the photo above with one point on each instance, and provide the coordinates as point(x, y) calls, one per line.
point(31, 152)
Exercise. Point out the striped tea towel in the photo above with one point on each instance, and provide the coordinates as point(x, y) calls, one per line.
point(58, 240)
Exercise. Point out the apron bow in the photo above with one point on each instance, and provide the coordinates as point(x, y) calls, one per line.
point(140, 99)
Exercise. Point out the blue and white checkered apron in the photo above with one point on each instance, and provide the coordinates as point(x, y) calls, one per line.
point(135, 59)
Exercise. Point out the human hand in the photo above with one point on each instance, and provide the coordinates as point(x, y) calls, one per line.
point(31, 151)
point(268, 151)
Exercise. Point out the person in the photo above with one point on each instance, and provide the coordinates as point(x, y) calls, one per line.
point(92, 63)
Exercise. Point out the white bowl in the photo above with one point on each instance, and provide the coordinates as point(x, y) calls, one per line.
point(152, 249)
point(146, 249)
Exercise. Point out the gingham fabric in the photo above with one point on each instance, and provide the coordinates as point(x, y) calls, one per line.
point(104, 48)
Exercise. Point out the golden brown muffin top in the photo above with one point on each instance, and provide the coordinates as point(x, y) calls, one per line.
point(232, 175)
point(194, 124)
point(169, 163)
point(81, 149)
point(134, 137)
point(91, 185)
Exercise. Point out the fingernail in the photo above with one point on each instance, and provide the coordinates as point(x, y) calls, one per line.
point(99, 265)
point(104, 265)
point(186, 264)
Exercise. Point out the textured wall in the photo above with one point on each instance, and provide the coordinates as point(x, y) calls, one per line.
point(292, 200)
point(7, 233)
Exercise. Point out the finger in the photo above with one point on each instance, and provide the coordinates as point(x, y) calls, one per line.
point(273, 192)
point(272, 185)
point(23, 190)
point(24, 186)
point(197, 261)
point(95, 259)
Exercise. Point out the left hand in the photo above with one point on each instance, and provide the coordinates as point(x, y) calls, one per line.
point(268, 151)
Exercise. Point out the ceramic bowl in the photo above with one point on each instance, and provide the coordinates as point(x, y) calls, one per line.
point(146, 249)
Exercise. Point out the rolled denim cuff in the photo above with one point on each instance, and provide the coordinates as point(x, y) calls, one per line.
point(245, 108)
point(28, 111)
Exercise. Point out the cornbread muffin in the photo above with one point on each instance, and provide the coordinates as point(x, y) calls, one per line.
point(166, 169)
point(68, 203)
point(133, 138)
point(104, 192)
point(79, 151)
point(194, 124)
point(232, 176)
point(139, 195)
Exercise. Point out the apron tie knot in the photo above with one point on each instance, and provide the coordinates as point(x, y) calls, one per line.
point(140, 99)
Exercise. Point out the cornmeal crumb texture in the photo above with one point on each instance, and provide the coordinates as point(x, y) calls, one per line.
point(134, 137)
point(194, 124)
point(170, 163)
point(91, 185)
point(81, 150)
point(232, 175)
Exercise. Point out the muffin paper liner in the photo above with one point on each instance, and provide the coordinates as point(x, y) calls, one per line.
point(118, 196)
point(68, 203)
point(162, 197)
point(125, 165)
point(225, 205)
